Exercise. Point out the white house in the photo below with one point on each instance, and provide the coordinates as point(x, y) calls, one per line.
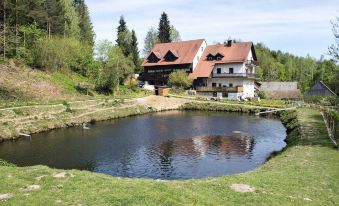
point(226, 71)
point(223, 70)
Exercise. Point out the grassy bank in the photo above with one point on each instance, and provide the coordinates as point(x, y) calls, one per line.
point(223, 107)
point(305, 173)
point(34, 119)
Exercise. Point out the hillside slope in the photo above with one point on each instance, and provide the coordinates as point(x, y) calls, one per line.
point(23, 84)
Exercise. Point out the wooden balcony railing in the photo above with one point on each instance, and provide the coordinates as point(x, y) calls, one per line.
point(237, 89)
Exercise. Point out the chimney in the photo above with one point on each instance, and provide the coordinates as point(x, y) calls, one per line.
point(229, 43)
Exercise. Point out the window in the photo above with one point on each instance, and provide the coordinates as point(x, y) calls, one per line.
point(218, 58)
point(210, 58)
point(218, 70)
point(198, 58)
point(231, 70)
point(220, 85)
point(231, 85)
point(214, 84)
point(202, 48)
point(224, 94)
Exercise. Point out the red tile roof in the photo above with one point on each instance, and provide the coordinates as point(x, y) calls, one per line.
point(185, 50)
point(238, 52)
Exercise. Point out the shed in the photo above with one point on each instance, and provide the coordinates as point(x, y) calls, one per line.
point(161, 90)
point(321, 89)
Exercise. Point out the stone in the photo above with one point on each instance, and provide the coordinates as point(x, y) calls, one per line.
point(40, 177)
point(5, 196)
point(31, 187)
point(242, 188)
point(60, 175)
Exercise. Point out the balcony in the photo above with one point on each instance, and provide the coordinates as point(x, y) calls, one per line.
point(244, 75)
point(237, 89)
point(251, 63)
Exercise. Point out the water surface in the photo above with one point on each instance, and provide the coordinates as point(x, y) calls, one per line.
point(166, 145)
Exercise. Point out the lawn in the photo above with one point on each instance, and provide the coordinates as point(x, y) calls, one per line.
point(305, 173)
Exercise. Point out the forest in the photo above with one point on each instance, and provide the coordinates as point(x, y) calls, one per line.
point(55, 35)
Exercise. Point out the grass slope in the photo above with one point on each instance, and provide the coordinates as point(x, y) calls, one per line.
point(306, 173)
point(21, 85)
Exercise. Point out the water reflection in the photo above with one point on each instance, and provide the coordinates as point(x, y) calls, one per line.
point(219, 146)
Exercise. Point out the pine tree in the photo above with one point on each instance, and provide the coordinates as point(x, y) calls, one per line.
point(122, 28)
point(135, 52)
point(164, 30)
point(85, 24)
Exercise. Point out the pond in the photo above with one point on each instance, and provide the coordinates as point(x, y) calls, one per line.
point(166, 145)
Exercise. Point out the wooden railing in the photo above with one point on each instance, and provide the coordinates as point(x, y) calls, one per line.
point(237, 89)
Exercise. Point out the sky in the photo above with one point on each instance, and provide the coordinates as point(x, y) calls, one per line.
point(300, 27)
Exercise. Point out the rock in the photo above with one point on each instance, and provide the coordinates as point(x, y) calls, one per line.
point(60, 175)
point(40, 177)
point(242, 188)
point(5, 196)
point(307, 199)
point(31, 187)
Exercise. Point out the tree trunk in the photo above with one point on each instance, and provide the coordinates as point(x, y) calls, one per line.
point(16, 27)
point(4, 42)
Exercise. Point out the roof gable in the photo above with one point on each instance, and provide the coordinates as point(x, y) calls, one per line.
point(154, 57)
point(322, 86)
point(171, 56)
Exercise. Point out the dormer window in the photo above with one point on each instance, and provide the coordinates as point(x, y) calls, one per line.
point(219, 56)
point(154, 57)
point(210, 57)
point(171, 56)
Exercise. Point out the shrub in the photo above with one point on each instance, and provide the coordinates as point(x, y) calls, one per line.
point(262, 94)
point(3, 163)
point(56, 53)
point(180, 79)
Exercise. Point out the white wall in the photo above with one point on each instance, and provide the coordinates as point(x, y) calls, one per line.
point(248, 88)
point(237, 68)
point(225, 81)
point(198, 56)
point(248, 84)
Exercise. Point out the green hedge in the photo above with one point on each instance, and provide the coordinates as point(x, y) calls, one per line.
point(219, 107)
point(3, 163)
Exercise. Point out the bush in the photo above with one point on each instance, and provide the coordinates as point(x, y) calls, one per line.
point(262, 94)
point(180, 79)
point(3, 163)
point(56, 53)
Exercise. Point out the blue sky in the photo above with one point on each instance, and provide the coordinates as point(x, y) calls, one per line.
point(300, 27)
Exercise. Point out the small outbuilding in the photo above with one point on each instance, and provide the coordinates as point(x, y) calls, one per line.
point(321, 89)
point(280, 90)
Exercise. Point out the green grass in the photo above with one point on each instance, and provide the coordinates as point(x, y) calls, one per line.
point(305, 173)
point(274, 103)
